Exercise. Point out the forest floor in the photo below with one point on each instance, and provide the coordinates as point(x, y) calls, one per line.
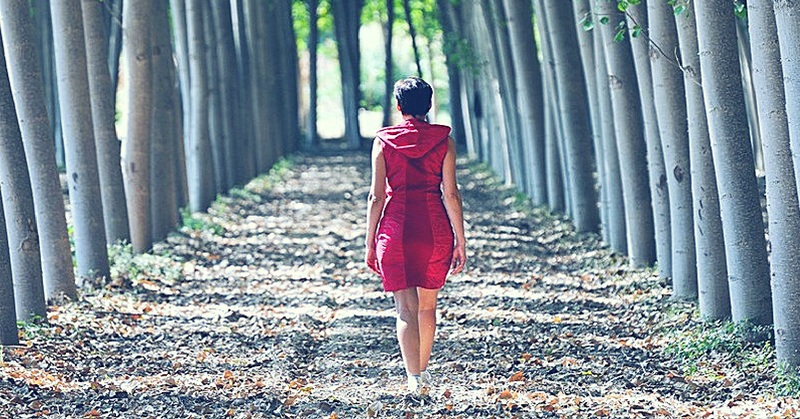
point(262, 308)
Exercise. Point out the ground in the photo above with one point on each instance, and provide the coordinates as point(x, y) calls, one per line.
point(262, 307)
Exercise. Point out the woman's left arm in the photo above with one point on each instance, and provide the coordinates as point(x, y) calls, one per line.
point(375, 203)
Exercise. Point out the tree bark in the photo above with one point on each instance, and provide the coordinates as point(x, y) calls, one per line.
point(670, 100)
point(745, 248)
point(313, 44)
point(114, 46)
point(346, 22)
point(631, 144)
point(287, 52)
point(782, 202)
point(575, 121)
point(215, 129)
point(8, 321)
point(19, 238)
point(388, 78)
point(245, 132)
point(787, 14)
point(712, 273)
point(26, 87)
point(227, 73)
point(659, 190)
point(102, 95)
point(413, 34)
point(136, 152)
point(181, 42)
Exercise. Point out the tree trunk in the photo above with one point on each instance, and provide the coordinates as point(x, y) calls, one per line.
point(659, 191)
point(746, 66)
point(745, 248)
point(712, 274)
point(631, 144)
point(787, 13)
point(227, 73)
point(530, 102)
point(112, 190)
point(44, 32)
point(615, 233)
point(114, 47)
point(19, 238)
point(136, 152)
point(782, 203)
point(260, 106)
point(670, 100)
point(215, 129)
point(26, 88)
point(181, 42)
point(555, 183)
point(452, 30)
point(8, 321)
point(575, 120)
point(290, 67)
point(313, 45)
point(388, 78)
point(346, 22)
point(164, 133)
point(413, 34)
point(245, 132)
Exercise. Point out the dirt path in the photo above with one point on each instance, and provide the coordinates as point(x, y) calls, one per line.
point(262, 308)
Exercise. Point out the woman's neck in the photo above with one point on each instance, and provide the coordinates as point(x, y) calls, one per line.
point(407, 117)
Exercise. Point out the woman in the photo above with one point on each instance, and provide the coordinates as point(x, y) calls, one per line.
point(413, 163)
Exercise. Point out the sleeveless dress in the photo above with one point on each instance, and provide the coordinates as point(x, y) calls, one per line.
point(414, 244)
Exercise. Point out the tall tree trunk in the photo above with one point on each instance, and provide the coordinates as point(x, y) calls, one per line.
point(746, 66)
point(631, 144)
point(530, 102)
point(19, 238)
point(615, 205)
point(8, 321)
point(712, 274)
point(670, 100)
point(346, 22)
point(461, 128)
point(245, 128)
point(745, 248)
point(114, 46)
point(575, 120)
point(198, 155)
point(555, 183)
point(26, 88)
point(260, 106)
point(313, 44)
point(112, 190)
point(782, 203)
point(181, 42)
point(413, 33)
point(290, 67)
point(215, 129)
point(659, 191)
point(274, 77)
point(787, 13)
point(388, 78)
point(227, 73)
point(164, 133)
point(136, 147)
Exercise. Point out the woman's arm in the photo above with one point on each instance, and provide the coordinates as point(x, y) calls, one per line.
point(375, 202)
point(453, 205)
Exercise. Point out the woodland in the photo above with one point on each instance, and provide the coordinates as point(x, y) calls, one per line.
point(183, 189)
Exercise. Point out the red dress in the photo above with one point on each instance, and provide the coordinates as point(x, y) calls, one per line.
point(415, 240)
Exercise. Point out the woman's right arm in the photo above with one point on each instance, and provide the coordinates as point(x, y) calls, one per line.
point(453, 205)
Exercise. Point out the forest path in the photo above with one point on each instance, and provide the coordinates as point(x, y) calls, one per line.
point(262, 307)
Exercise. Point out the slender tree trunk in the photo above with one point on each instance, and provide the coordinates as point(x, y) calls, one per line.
point(616, 233)
point(659, 190)
point(746, 66)
point(630, 142)
point(8, 320)
point(274, 77)
point(114, 47)
point(346, 22)
point(712, 274)
point(575, 120)
point(19, 238)
point(745, 248)
point(530, 102)
point(452, 30)
point(44, 31)
point(313, 43)
point(782, 203)
point(670, 100)
point(164, 133)
point(388, 78)
point(787, 13)
point(181, 42)
point(223, 30)
point(215, 128)
point(287, 52)
point(112, 190)
point(246, 128)
point(413, 33)
point(26, 88)
point(555, 183)
point(255, 50)
point(136, 147)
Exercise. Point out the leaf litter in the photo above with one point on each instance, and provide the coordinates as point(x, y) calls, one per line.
point(262, 307)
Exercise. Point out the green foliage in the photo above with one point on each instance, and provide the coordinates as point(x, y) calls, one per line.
point(300, 21)
point(32, 327)
point(740, 9)
point(134, 267)
point(787, 381)
point(460, 52)
point(196, 223)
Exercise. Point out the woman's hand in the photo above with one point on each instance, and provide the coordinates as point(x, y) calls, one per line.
point(459, 258)
point(371, 259)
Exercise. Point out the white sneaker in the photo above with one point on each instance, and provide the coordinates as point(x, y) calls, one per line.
point(414, 383)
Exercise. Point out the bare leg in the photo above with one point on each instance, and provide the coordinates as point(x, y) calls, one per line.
point(407, 307)
point(427, 324)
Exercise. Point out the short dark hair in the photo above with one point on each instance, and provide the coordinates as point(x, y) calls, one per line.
point(413, 95)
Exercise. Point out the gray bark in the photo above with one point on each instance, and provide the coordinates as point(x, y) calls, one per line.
point(746, 66)
point(712, 273)
point(388, 72)
point(227, 74)
point(659, 191)
point(181, 42)
point(245, 128)
point(313, 42)
point(114, 47)
point(112, 190)
point(215, 129)
point(346, 22)
point(413, 34)
point(745, 248)
point(19, 238)
point(631, 144)
point(787, 16)
point(670, 100)
point(555, 183)
point(782, 203)
point(26, 88)
point(575, 119)
point(8, 321)
point(136, 146)
point(287, 54)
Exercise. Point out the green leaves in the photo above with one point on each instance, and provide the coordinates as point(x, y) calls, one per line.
point(740, 9)
point(586, 22)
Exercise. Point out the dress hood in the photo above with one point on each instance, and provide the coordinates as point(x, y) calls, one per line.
point(413, 137)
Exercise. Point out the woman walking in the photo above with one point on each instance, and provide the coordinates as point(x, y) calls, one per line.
point(414, 209)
